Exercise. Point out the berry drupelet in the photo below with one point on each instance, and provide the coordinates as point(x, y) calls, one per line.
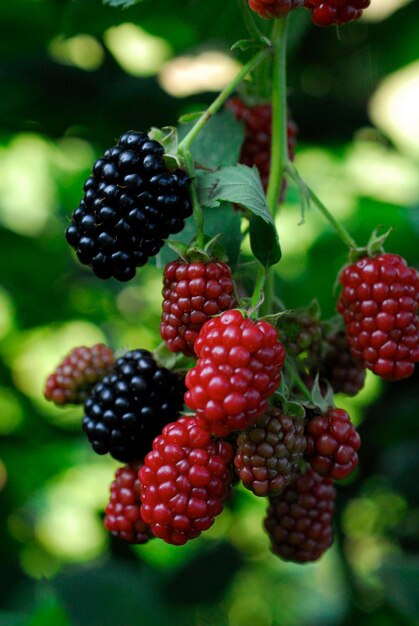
point(128, 408)
point(379, 304)
point(299, 520)
point(131, 203)
point(344, 373)
point(80, 370)
point(123, 512)
point(274, 8)
point(239, 367)
point(192, 293)
point(185, 481)
point(268, 454)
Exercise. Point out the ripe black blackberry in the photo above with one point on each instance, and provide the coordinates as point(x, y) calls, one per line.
point(128, 408)
point(131, 203)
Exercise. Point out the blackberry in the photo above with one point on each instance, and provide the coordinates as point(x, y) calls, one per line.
point(77, 373)
point(299, 520)
point(185, 481)
point(300, 331)
point(268, 453)
point(128, 408)
point(344, 373)
point(123, 512)
point(131, 203)
point(192, 293)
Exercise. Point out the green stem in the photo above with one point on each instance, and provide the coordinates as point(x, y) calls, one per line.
point(307, 192)
point(198, 214)
point(223, 96)
point(340, 230)
point(259, 286)
point(295, 377)
point(279, 150)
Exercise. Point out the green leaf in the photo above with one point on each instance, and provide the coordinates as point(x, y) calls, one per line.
point(219, 142)
point(264, 241)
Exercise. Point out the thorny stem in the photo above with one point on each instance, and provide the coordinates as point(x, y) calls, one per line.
point(222, 97)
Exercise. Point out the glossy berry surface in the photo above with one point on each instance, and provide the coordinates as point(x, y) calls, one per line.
point(274, 8)
point(335, 12)
point(379, 304)
point(123, 512)
point(299, 520)
point(77, 373)
point(256, 148)
point(127, 409)
point(332, 444)
point(268, 453)
point(192, 293)
point(239, 367)
point(131, 203)
point(185, 480)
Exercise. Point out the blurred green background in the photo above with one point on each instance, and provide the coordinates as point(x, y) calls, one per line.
point(74, 75)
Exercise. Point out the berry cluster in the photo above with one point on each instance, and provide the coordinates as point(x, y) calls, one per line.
point(192, 293)
point(131, 203)
point(274, 8)
point(128, 408)
point(379, 304)
point(77, 373)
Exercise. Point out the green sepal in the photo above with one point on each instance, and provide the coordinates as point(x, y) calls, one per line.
point(323, 402)
point(190, 117)
point(374, 246)
point(246, 44)
point(289, 407)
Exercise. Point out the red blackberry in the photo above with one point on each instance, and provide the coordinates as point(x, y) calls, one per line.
point(299, 520)
point(127, 409)
point(77, 373)
point(123, 512)
point(344, 373)
point(185, 480)
point(256, 149)
point(131, 203)
point(379, 304)
point(268, 453)
point(238, 368)
point(192, 293)
point(274, 8)
point(329, 12)
point(332, 444)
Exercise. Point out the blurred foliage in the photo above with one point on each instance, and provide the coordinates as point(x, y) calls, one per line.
point(65, 97)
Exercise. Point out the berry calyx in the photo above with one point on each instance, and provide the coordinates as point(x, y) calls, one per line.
point(192, 293)
point(78, 373)
point(185, 480)
point(131, 203)
point(332, 444)
point(379, 304)
point(268, 453)
point(128, 408)
point(239, 367)
point(299, 520)
point(123, 512)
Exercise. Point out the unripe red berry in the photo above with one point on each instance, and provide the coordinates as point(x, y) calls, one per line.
point(335, 12)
